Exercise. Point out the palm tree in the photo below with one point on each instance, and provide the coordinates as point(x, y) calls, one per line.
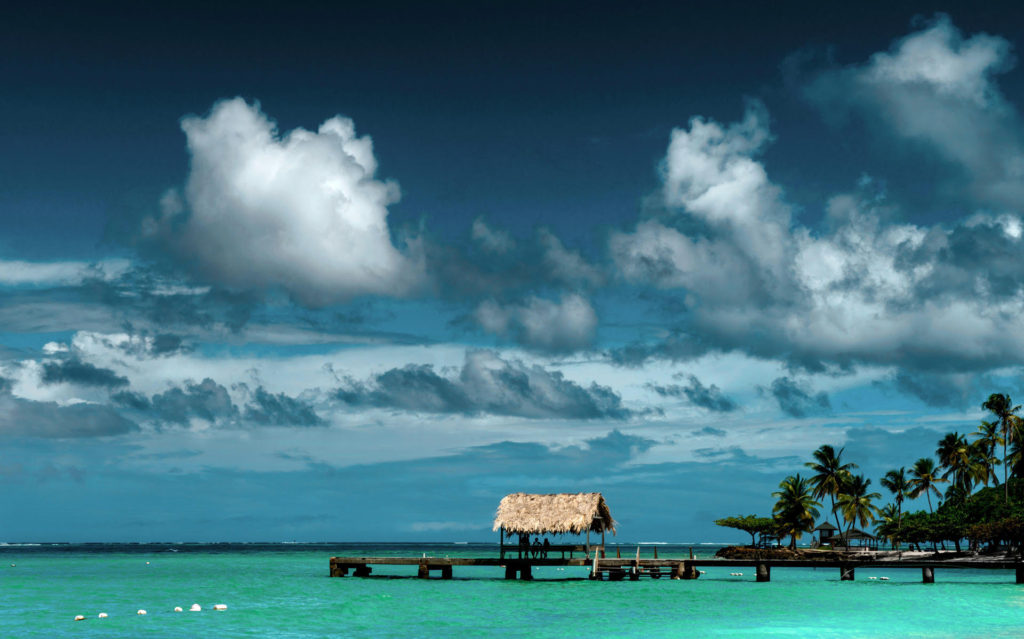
point(796, 508)
point(955, 455)
point(988, 438)
point(855, 502)
point(1002, 407)
point(923, 480)
point(829, 475)
point(896, 482)
point(888, 525)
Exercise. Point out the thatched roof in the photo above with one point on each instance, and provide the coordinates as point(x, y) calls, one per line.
point(524, 513)
point(825, 526)
point(856, 534)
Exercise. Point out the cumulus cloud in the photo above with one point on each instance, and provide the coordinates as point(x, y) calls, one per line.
point(74, 371)
point(563, 326)
point(937, 87)
point(862, 290)
point(709, 397)
point(279, 409)
point(206, 400)
point(796, 400)
point(486, 384)
point(301, 211)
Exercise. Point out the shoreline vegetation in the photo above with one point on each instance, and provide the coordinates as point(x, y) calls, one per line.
point(976, 512)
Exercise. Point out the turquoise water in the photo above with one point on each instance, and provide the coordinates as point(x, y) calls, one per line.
point(285, 592)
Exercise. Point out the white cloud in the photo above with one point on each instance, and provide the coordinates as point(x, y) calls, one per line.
point(936, 87)
point(302, 211)
point(566, 325)
point(864, 292)
point(63, 273)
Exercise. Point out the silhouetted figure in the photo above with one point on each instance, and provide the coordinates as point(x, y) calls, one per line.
point(547, 547)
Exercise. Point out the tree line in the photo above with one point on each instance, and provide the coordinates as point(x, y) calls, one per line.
point(975, 504)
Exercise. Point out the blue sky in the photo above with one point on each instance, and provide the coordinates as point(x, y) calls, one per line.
point(322, 272)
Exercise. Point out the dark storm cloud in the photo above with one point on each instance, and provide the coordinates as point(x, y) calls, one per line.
point(486, 384)
point(74, 371)
point(709, 397)
point(796, 400)
point(25, 418)
point(279, 409)
point(957, 390)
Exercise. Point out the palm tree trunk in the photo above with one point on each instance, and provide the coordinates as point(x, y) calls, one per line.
point(1006, 487)
point(832, 498)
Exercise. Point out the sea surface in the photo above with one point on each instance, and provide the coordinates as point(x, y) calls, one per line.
point(282, 590)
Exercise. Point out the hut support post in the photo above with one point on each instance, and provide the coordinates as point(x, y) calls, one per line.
point(446, 572)
point(1020, 573)
point(424, 572)
point(501, 543)
point(928, 575)
point(362, 570)
point(588, 543)
point(526, 572)
point(510, 571)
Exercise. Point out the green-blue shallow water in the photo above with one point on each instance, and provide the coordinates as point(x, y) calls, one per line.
point(284, 591)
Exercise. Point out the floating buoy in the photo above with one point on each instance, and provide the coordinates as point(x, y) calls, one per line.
point(177, 609)
point(141, 612)
point(102, 615)
point(872, 577)
point(195, 608)
point(220, 606)
point(79, 617)
point(884, 578)
point(147, 563)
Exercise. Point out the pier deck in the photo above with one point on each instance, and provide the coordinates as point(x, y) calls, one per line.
point(633, 569)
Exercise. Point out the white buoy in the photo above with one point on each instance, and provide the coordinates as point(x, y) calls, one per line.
point(147, 563)
point(177, 609)
point(141, 612)
point(195, 608)
point(102, 615)
point(79, 617)
point(220, 606)
point(872, 577)
point(884, 578)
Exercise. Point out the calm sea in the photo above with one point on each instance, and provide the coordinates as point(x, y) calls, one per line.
point(282, 590)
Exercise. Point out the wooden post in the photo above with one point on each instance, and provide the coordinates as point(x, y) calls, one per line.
point(588, 543)
point(928, 575)
point(501, 543)
point(691, 552)
point(678, 572)
point(446, 572)
point(845, 572)
point(764, 573)
point(655, 552)
point(510, 571)
point(337, 570)
point(618, 555)
point(362, 570)
point(424, 572)
point(594, 573)
point(634, 572)
point(526, 572)
point(1020, 573)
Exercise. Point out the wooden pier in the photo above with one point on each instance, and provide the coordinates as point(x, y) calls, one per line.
point(619, 569)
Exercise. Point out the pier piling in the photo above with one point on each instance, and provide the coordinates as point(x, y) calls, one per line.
point(1020, 573)
point(764, 573)
point(928, 575)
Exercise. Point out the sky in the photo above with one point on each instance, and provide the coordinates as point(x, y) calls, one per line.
point(320, 272)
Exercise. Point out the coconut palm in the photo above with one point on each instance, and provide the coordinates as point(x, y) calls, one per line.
point(829, 474)
point(888, 526)
point(855, 502)
point(896, 482)
point(924, 476)
point(988, 439)
point(957, 457)
point(796, 508)
point(1002, 407)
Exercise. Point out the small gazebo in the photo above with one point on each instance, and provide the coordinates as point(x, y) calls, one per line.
point(526, 514)
point(826, 533)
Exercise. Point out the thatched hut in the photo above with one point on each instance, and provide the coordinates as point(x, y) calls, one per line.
point(526, 514)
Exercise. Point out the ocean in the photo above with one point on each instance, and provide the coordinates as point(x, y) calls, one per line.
point(282, 590)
